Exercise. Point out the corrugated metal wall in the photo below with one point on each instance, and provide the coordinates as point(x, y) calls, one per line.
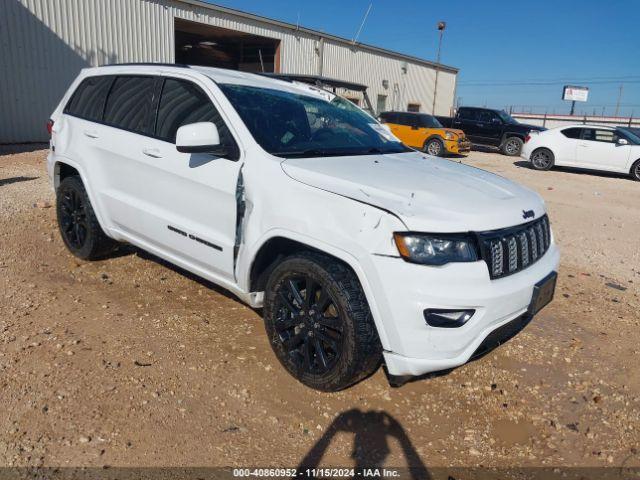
point(44, 43)
point(406, 82)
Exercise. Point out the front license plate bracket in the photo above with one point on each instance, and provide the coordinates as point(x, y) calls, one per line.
point(543, 292)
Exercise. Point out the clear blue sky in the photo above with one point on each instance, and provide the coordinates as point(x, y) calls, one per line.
point(595, 43)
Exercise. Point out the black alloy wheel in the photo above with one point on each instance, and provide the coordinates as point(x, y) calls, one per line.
point(73, 219)
point(77, 221)
point(309, 324)
point(319, 323)
point(635, 171)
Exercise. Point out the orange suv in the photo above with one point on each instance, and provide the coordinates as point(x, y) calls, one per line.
point(424, 132)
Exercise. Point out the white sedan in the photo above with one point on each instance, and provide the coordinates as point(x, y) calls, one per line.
point(611, 149)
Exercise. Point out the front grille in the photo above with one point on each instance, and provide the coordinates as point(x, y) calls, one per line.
point(511, 250)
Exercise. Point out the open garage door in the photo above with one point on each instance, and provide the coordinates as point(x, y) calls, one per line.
point(202, 44)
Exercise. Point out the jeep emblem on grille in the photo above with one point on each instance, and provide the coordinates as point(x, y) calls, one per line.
point(528, 214)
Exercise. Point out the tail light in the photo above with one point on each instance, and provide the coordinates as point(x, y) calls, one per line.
point(50, 126)
point(527, 138)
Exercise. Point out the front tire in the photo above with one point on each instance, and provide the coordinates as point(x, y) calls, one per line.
point(319, 323)
point(77, 221)
point(635, 171)
point(435, 147)
point(542, 159)
point(512, 146)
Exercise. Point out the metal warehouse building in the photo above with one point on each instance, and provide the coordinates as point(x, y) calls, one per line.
point(44, 43)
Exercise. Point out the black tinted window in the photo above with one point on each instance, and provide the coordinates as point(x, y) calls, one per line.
point(388, 117)
point(486, 116)
point(182, 103)
point(410, 120)
point(468, 114)
point(129, 105)
point(572, 132)
point(429, 121)
point(396, 117)
point(88, 99)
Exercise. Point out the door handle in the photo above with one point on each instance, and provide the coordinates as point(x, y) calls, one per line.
point(91, 133)
point(479, 124)
point(152, 152)
point(582, 145)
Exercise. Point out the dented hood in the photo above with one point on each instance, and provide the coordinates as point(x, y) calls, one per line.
point(428, 194)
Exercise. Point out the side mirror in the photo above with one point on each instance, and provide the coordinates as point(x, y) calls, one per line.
point(496, 120)
point(623, 141)
point(202, 137)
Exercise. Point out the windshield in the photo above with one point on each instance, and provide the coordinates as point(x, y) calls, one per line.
point(340, 102)
point(289, 124)
point(633, 137)
point(506, 118)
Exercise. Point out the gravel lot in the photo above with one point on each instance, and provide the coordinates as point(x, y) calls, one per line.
point(131, 362)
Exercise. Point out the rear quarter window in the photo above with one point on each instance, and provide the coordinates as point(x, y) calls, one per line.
point(89, 98)
point(572, 132)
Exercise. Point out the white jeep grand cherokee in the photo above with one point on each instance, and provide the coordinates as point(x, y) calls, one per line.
point(357, 248)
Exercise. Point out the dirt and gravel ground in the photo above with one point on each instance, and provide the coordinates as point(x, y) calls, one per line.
point(130, 362)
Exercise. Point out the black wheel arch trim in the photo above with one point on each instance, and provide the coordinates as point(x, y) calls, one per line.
point(432, 137)
point(70, 164)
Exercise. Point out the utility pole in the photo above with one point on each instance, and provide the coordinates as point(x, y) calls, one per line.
point(619, 97)
point(441, 26)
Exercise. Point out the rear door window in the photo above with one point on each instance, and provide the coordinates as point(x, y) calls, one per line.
point(130, 102)
point(468, 114)
point(181, 103)
point(89, 98)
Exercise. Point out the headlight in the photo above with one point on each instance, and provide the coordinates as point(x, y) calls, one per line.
point(435, 249)
point(450, 136)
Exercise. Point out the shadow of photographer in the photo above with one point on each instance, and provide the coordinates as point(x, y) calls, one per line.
point(371, 431)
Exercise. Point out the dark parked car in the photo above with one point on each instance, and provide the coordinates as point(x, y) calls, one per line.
point(496, 128)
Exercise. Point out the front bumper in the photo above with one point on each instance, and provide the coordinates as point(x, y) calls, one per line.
point(458, 146)
point(415, 348)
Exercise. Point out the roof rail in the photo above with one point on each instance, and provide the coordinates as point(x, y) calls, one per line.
point(149, 64)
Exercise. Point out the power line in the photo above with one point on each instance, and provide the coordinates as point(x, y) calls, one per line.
point(557, 81)
point(542, 84)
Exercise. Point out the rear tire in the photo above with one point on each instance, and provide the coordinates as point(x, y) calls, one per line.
point(512, 146)
point(77, 221)
point(319, 323)
point(542, 159)
point(435, 147)
point(635, 171)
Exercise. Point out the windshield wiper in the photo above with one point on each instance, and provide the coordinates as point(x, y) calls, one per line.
point(312, 152)
point(318, 152)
